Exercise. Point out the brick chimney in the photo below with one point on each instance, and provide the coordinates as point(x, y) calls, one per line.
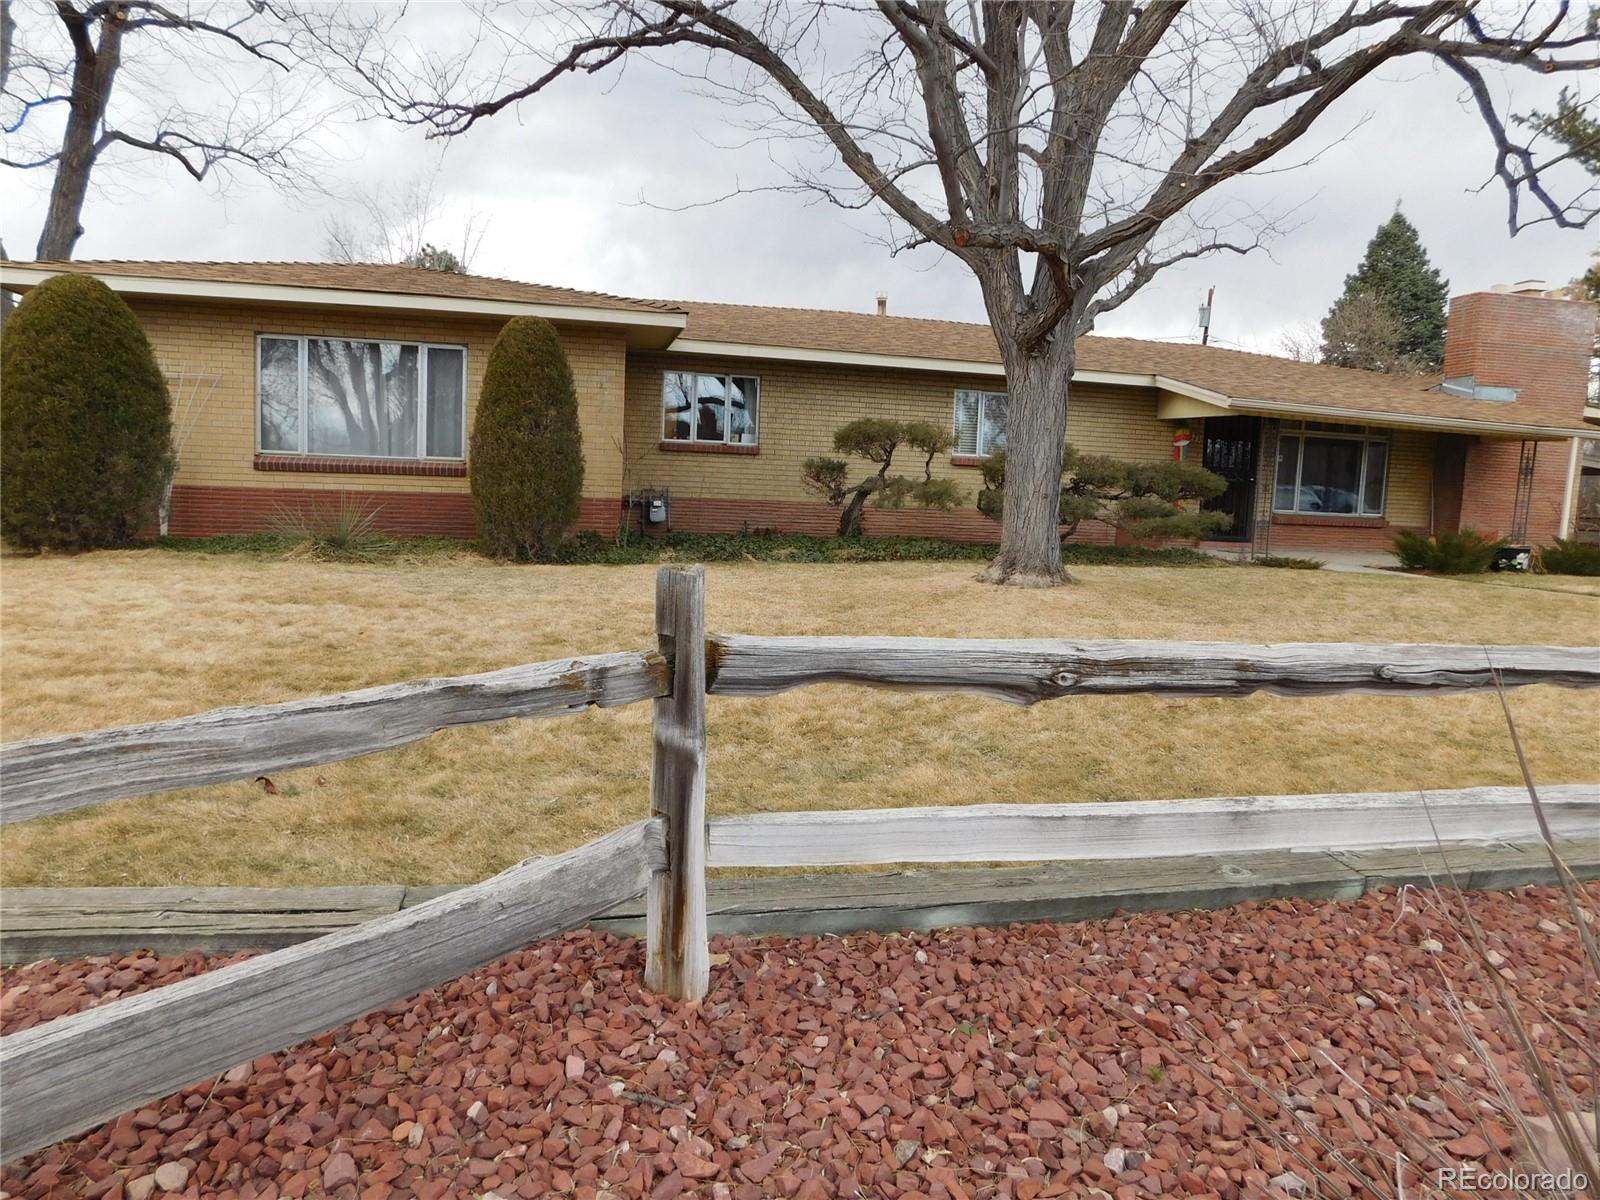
point(1518, 337)
point(1530, 342)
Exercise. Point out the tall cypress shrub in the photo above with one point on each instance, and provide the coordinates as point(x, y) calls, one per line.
point(85, 420)
point(527, 449)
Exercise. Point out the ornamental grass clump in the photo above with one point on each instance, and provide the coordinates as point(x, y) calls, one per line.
point(527, 448)
point(343, 532)
point(85, 420)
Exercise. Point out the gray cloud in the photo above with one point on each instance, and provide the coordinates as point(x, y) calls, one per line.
point(578, 187)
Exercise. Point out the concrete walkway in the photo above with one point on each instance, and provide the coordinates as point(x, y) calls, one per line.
point(1356, 562)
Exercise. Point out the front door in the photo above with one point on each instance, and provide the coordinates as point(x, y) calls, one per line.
point(1231, 450)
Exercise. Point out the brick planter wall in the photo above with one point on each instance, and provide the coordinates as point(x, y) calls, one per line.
point(214, 511)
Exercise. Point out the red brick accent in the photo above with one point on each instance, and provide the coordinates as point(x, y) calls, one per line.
point(209, 511)
point(1329, 521)
point(709, 447)
point(968, 460)
point(699, 514)
point(323, 465)
point(1541, 347)
point(1355, 536)
point(1490, 492)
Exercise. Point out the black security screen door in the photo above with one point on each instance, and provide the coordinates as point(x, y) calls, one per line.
point(1231, 450)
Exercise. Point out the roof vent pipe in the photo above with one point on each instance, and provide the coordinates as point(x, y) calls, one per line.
point(883, 304)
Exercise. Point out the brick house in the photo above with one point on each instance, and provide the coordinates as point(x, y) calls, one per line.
point(295, 382)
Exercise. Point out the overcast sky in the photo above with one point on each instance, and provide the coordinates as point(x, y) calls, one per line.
point(576, 188)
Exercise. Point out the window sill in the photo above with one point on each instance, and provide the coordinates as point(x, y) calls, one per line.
point(710, 447)
point(319, 464)
point(968, 460)
point(1343, 520)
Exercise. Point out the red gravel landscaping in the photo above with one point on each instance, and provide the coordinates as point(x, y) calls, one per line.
point(1100, 1058)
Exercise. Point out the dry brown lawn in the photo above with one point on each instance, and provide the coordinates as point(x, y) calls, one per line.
point(114, 638)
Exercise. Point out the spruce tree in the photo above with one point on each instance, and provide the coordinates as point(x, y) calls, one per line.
point(1397, 272)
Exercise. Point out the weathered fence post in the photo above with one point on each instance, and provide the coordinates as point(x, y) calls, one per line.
point(677, 957)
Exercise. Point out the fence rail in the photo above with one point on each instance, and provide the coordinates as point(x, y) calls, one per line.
point(1027, 671)
point(74, 1071)
point(76, 770)
point(1148, 828)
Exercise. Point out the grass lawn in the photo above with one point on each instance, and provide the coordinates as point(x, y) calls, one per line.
point(113, 638)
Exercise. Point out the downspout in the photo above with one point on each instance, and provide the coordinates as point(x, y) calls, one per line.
point(1569, 494)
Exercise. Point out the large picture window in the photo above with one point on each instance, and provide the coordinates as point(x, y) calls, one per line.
point(980, 424)
point(719, 409)
point(1334, 469)
point(360, 399)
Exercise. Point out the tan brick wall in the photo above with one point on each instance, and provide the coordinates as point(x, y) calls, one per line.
point(620, 412)
point(802, 404)
point(1409, 499)
point(218, 340)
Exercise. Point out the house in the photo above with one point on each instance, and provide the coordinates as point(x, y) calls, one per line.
point(293, 382)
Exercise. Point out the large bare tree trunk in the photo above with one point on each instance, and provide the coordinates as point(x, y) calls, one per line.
point(1036, 434)
point(94, 72)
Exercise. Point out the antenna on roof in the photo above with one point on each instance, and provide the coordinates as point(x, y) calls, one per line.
point(883, 304)
point(1205, 317)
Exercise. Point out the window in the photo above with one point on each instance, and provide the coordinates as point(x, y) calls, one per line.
point(980, 422)
point(360, 399)
point(709, 408)
point(1335, 469)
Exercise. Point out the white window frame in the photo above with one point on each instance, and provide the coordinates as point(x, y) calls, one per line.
point(983, 404)
point(1368, 436)
point(304, 339)
point(694, 437)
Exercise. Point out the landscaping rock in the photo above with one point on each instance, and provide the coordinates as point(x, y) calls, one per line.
point(1110, 1057)
point(171, 1176)
point(339, 1170)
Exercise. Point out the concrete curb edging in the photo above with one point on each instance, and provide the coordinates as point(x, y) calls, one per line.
point(61, 923)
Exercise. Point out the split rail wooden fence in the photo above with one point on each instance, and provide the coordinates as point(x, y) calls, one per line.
point(68, 1074)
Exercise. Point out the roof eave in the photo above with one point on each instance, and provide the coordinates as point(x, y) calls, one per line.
point(842, 358)
point(1440, 424)
point(900, 362)
point(647, 330)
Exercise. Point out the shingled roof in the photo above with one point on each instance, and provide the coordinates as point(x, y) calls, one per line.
point(1247, 381)
point(1230, 378)
point(358, 277)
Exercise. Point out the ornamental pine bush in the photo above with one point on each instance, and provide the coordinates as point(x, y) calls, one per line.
point(876, 439)
point(85, 420)
point(527, 449)
point(1464, 552)
point(1570, 558)
point(1144, 500)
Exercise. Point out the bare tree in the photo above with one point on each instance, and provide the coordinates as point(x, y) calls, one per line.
point(396, 224)
point(201, 84)
point(1065, 152)
point(1361, 331)
point(1301, 343)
